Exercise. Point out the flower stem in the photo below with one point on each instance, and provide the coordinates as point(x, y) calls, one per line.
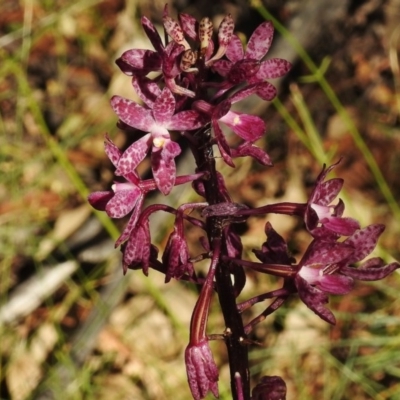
point(235, 336)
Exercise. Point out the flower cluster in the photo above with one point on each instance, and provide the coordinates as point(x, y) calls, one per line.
point(327, 266)
point(187, 85)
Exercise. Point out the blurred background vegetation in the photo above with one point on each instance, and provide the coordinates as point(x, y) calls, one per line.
point(72, 327)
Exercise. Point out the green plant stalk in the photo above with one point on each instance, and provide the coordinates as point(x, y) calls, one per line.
point(310, 129)
point(292, 123)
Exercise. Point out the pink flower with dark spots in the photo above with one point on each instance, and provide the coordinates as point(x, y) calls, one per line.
point(157, 122)
point(325, 268)
point(247, 65)
point(124, 197)
point(323, 219)
point(248, 127)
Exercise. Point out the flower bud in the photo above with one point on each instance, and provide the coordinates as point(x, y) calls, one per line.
point(201, 370)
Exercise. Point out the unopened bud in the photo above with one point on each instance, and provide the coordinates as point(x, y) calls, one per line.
point(189, 58)
point(205, 33)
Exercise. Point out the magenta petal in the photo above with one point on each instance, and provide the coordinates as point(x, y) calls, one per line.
point(372, 270)
point(248, 127)
point(235, 51)
point(112, 151)
point(243, 70)
point(336, 284)
point(164, 107)
point(260, 41)
point(173, 29)
point(246, 91)
point(225, 86)
point(133, 155)
point(131, 223)
point(99, 200)
point(146, 89)
point(222, 144)
point(327, 191)
point(163, 166)
point(339, 208)
point(267, 91)
point(170, 63)
point(221, 110)
point(189, 25)
point(222, 67)
point(251, 150)
point(324, 253)
point(341, 226)
point(139, 62)
point(123, 202)
point(273, 68)
point(132, 113)
point(364, 241)
point(225, 31)
point(186, 121)
point(314, 299)
point(210, 50)
point(152, 34)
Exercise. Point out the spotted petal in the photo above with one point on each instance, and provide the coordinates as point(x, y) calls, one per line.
point(131, 223)
point(314, 299)
point(235, 51)
point(320, 252)
point(133, 155)
point(147, 90)
point(260, 41)
point(99, 200)
point(132, 113)
point(189, 25)
point(273, 68)
point(139, 62)
point(186, 121)
point(163, 165)
point(327, 191)
point(248, 149)
point(152, 34)
point(364, 241)
point(222, 67)
point(372, 270)
point(164, 107)
point(112, 151)
point(123, 202)
point(248, 127)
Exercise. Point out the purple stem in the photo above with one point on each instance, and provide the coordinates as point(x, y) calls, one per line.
point(235, 334)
